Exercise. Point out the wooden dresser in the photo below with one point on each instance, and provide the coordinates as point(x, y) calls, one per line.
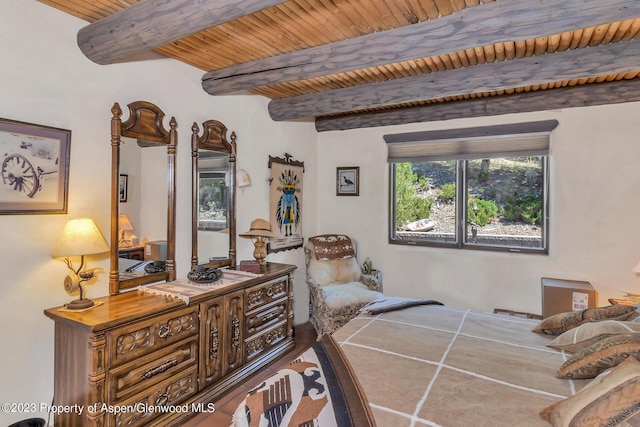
point(149, 360)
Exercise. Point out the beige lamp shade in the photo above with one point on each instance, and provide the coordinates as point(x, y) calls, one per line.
point(80, 237)
point(124, 224)
point(636, 269)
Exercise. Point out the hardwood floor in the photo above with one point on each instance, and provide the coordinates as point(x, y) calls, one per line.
point(304, 337)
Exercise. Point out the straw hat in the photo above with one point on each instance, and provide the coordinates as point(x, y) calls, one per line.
point(259, 227)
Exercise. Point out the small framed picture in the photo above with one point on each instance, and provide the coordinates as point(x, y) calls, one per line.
point(124, 182)
point(348, 181)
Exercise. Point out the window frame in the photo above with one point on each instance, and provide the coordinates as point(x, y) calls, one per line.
point(483, 134)
point(461, 238)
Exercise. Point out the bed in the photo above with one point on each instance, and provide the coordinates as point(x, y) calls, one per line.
point(430, 365)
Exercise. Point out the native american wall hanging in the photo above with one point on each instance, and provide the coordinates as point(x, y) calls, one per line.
point(285, 203)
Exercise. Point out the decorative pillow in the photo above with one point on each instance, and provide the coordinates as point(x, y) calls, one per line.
point(332, 246)
point(586, 334)
point(562, 322)
point(635, 317)
point(334, 271)
point(599, 356)
point(609, 400)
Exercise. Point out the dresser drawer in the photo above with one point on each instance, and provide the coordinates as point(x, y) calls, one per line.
point(146, 371)
point(266, 316)
point(266, 293)
point(133, 341)
point(157, 400)
point(265, 341)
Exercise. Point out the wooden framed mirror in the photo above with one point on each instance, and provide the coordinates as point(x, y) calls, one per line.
point(139, 146)
point(213, 196)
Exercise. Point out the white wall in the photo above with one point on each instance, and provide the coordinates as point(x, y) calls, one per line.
point(594, 214)
point(45, 79)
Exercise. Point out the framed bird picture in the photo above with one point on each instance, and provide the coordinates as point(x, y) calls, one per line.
point(348, 181)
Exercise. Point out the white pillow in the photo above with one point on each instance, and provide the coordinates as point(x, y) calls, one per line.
point(335, 271)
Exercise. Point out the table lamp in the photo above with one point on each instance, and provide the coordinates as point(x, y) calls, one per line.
point(79, 237)
point(260, 230)
point(636, 269)
point(124, 225)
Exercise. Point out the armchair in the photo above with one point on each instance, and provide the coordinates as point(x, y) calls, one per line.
point(336, 284)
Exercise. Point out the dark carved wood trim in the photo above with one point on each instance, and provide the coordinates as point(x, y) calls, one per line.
point(287, 161)
point(578, 63)
point(214, 138)
point(145, 124)
point(468, 28)
point(135, 30)
point(577, 96)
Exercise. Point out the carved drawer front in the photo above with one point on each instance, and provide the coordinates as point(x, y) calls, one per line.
point(265, 341)
point(139, 374)
point(130, 342)
point(211, 341)
point(266, 293)
point(265, 317)
point(233, 332)
point(161, 399)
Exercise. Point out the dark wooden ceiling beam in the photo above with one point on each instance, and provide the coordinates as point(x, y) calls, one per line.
point(132, 32)
point(471, 27)
point(615, 58)
point(586, 95)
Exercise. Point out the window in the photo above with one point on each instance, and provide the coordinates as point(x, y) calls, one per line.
point(212, 196)
point(477, 188)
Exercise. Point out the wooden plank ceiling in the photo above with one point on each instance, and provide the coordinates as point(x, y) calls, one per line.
point(361, 63)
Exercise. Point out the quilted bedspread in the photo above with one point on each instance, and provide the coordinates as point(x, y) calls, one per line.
point(440, 366)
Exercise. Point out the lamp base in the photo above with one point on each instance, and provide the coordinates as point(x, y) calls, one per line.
point(79, 304)
point(125, 243)
point(260, 251)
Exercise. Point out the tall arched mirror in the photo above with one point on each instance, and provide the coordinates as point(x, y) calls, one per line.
point(142, 197)
point(213, 196)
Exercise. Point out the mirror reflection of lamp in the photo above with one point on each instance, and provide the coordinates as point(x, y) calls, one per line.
point(259, 233)
point(79, 237)
point(124, 225)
